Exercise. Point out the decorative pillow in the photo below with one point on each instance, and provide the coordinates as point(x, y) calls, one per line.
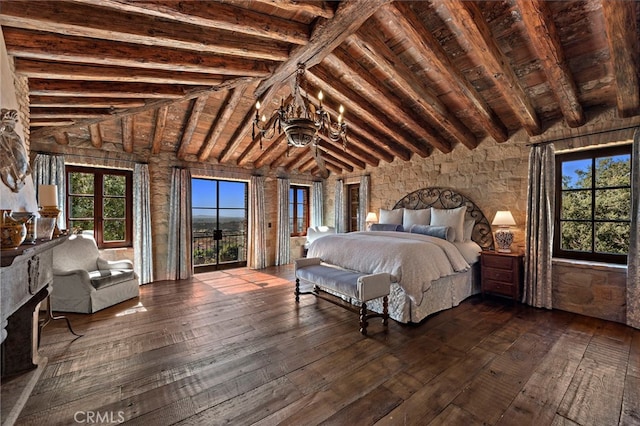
point(450, 217)
point(391, 216)
point(386, 227)
point(468, 229)
point(444, 232)
point(416, 217)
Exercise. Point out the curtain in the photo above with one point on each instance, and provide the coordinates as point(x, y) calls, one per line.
point(339, 215)
point(142, 243)
point(49, 170)
point(363, 201)
point(317, 204)
point(540, 210)
point(179, 265)
point(284, 232)
point(633, 259)
point(257, 244)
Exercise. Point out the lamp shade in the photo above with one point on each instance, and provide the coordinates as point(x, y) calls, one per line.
point(503, 218)
point(371, 217)
point(48, 195)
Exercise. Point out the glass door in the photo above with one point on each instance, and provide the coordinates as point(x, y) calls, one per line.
point(218, 224)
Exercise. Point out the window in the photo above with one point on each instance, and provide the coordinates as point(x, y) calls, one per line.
point(99, 200)
point(353, 206)
point(298, 210)
point(593, 204)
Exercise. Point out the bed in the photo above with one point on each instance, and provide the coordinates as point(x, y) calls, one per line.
point(430, 273)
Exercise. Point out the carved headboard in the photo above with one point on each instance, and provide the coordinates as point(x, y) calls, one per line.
point(445, 198)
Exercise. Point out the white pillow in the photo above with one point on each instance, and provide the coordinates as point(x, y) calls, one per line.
point(391, 216)
point(416, 217)
point(468, 229)
point(450, 217)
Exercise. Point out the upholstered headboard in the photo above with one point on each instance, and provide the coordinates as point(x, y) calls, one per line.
point(445, 198)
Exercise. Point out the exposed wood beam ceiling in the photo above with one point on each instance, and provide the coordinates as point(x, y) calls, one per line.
point(182, 77)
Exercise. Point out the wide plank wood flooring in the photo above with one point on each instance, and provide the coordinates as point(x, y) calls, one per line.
point(232, 347)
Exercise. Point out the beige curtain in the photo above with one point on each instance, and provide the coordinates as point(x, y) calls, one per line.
point(142, 242)
point(179, 263)
point(257, 250)
point(284, 231)
point(317, 204)
point(633, 259)
point(364, 194)
point(339, 216)
point(539, 244)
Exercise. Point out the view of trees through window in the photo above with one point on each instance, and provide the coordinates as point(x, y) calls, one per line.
point(97, 201)
point(594, 204)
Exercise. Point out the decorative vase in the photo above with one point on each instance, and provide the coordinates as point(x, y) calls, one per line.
point(12, 232)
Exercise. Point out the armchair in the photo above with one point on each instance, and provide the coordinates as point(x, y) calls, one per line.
point(86, 283)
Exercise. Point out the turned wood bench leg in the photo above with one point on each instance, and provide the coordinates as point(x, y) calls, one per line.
point(297, 292)
point(363, 318)
point(385, 311)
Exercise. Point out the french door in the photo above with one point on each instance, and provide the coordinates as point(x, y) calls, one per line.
point(218, 224)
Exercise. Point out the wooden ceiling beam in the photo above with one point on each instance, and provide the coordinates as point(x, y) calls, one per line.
point(151, 104)
point(326, 36)
point(80, 20)
point(36, 101)
point(128, 124)
point(545, 39)
point(621, 24)
point(314, 8)
point(361, 82)
point(96, 135)
point(45, 46)
point(218, 15)
point(71, 71)
point(354, 104)
point(340, 154)
point(353, 154)
point(468, 21)
point(70, 113)
point(274, 150)
point(50, 126)
point(42, 87)
point(400, 18)
point(160, 123)
point(328, 157)
point(376, 51)
point(61, 138)
point(227, 109)
point(192, 122)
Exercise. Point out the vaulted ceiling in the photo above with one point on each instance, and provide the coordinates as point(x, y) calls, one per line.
point(183, 77)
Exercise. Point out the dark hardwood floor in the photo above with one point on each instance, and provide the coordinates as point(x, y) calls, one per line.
point(231, 347)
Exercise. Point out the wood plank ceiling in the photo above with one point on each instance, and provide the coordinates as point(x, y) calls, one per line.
point(182, 77)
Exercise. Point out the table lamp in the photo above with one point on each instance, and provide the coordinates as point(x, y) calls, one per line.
point(504, 237)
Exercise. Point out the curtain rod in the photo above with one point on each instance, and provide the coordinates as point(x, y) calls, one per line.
point(583, 135)
point(92, 157)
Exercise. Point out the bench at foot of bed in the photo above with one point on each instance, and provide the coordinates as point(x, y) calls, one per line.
point(353, 285)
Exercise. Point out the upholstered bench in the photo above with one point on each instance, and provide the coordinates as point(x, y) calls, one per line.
point(329, 279)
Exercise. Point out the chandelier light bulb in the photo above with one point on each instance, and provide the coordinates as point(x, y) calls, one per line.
point(264, 117)
point(341, 110)
point(258, 105)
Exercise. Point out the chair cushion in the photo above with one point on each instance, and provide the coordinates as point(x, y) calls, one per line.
point(109, 277)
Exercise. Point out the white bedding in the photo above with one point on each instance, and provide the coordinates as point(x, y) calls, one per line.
point(413, 260)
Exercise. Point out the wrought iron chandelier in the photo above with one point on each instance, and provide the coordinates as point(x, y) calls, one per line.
point(302, 121)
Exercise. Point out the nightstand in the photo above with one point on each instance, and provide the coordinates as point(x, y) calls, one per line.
point(502, 273)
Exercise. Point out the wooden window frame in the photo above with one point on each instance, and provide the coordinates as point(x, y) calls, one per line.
point(98, 176)
point(592, 255)
point(294, 231)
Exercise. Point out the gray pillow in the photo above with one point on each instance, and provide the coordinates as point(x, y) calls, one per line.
point(443, 232)
point(386, 227)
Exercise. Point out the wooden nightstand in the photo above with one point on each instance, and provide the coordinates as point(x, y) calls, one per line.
point(502, 273)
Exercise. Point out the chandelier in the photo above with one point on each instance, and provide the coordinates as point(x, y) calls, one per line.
point(302, 121)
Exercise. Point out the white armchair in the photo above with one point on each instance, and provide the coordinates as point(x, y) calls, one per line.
point(84, 282)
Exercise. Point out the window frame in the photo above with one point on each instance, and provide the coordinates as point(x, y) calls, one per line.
point(593, 155)
point(294, 232)
point(98, 180)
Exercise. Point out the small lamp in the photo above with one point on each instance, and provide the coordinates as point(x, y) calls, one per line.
point(371, 218)
point(48, 198)
point(504, 237)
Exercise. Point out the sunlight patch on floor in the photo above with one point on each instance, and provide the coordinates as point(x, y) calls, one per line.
point(133, 310)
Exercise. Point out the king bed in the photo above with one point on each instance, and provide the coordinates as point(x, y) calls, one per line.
point(432, 252)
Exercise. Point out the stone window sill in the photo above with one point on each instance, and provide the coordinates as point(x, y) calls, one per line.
point(586, 264)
